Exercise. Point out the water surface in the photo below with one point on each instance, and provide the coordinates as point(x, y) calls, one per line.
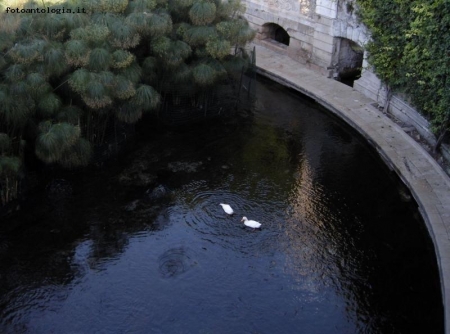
point(144, 247)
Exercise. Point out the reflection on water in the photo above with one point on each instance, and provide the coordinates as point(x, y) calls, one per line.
point(146, 248)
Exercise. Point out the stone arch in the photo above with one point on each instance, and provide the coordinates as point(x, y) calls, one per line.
point(275, 32)
point(347, 60)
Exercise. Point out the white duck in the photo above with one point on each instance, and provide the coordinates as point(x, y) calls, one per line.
point(250, 223)
point(227, 208)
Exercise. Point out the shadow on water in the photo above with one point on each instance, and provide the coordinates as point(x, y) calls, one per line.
point(144, 247)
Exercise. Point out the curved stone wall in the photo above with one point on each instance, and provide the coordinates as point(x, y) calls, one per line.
point(426, 180)
point(316, 29)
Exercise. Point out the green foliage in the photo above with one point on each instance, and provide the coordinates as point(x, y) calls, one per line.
point(79, 154)
point(177, 52)
point(204, 74)
point(15, 110)
point(99, 59)
point(122, 59)
point(150, 70)
point(140, 22)
point(184, 3)
point(54, 140)
point(27, 53)
point(10, 165)
point(79, 80)
point(124, 88)
point(202, 12)
point(161, 46)
point(409, 50)
point(93, 33)
point(49, 105)
point(183, 74)
point(96, 95)
point(132, 72)
point(141, 5)
point(124, 36)
point(198, 36)
point(77, 52)
point(218, 48)
point(55, 61)
point(53, 25)
point(69, 114)
point(107, 78)
point(235, 64)
point(146, 97)
point(230, 9)
point(109, 6)
point(129, 113)
point(19, 88)
point(15, 72)
point(74, 73)
point(159, 24)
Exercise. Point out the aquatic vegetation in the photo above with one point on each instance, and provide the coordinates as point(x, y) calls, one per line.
point(66, 78)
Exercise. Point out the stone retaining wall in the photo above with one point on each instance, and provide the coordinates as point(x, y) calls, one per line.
point(316, 29)
point(426, 180)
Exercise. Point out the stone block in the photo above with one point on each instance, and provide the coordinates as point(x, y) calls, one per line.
point(349, 32)
point(287, 24)
point(367, 86)
point(355, 35)
point(255, 22)
point(251, 6)
point(295, 44)
point(410, 116)
point(305, 29)
point(324, 29)
point(274, 46)
point(300, 37)
point(327, 47)
point(321, 54)
point(326, 38)
point(326, 8)
point(306, 47)
point(326, 21)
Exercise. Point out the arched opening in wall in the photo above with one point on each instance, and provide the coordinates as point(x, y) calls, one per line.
point(274, 32)
point(349, 61)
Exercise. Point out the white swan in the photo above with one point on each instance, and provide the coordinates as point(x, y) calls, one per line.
point(250, 223)
point(227, 208)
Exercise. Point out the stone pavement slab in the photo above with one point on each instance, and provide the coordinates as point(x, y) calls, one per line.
point(428, 183)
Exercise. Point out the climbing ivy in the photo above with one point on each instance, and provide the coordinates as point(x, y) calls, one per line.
point(410, 51)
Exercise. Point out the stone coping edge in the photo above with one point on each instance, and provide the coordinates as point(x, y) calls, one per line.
point(422, 191)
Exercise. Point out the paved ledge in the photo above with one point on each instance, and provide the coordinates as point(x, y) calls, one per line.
point(426, 180)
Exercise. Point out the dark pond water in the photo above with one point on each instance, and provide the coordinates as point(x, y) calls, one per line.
point(144, 247)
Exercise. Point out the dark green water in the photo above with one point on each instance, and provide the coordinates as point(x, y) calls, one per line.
point(341, 250)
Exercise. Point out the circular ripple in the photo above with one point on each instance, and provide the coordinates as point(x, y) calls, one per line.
point(175, 262)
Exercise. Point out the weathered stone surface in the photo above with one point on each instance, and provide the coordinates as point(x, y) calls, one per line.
point(428, 183)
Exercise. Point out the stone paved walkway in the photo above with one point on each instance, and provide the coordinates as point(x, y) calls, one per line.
point(426, 180)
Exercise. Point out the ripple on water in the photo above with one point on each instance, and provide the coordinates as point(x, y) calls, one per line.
point(176, 261)
point(197, 205)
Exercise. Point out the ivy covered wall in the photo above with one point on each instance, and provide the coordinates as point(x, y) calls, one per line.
point(409, 50)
